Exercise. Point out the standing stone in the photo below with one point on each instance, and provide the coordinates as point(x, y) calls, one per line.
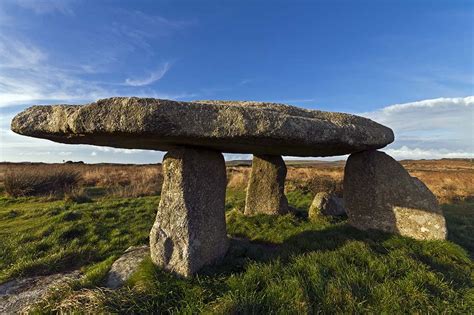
point(380, 194)
point(190, 228)
point(327, 205)
point(265, 191)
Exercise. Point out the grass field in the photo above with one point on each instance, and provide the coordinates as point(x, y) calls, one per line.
point(275, 264)
point(284, 265)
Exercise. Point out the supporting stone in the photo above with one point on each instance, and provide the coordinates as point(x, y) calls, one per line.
point(190, 228)
point(265, 190)
point(380, 194)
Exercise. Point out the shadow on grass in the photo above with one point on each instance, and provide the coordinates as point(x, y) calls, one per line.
point(460, 224)
point(437, 255)
point(333, 268)
point(242, 250)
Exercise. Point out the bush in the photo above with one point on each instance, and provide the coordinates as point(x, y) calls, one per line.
point(40, 182)
point(77, 195)
point(315, 184)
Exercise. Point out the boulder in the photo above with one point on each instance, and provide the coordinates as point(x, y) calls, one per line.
point(225, 126)
point(266, 187)
point(380, 194)
point(18, 296)
point(190, 229)
point(327, 205)
point(126, 265)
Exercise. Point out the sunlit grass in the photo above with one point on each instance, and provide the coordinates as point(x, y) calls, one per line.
point(275, 264)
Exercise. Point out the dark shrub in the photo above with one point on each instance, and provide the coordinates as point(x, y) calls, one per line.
point(325, 184)
point(40, 182)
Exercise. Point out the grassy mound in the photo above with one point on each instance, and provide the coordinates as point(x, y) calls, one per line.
point(275, 264)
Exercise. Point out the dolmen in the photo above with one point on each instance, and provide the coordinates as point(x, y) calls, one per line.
point(190, 229)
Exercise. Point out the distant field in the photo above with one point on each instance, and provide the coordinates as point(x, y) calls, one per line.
point(449, 179)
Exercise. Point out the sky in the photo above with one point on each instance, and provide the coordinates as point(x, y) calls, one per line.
point(408, 64)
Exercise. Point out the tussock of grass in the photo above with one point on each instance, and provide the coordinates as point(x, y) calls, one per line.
point(29, 182)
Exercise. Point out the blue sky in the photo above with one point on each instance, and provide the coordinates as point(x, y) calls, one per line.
point(408, 64)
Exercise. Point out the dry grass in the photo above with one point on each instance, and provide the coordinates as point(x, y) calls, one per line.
point(126, 181)
point(116, 180)
point(450, 180)
point(24, 181)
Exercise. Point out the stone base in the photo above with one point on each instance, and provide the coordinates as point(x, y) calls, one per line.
point(380, 194)
point(190, 228)
point(265, 191)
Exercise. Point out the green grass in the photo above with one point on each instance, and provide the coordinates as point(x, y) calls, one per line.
point(274, 265)
point(300, 200)
point(40, 237)
point(460, 222)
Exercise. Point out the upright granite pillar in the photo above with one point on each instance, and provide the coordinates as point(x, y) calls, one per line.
point(190, 229)
point(265, 190)
point(380, 194)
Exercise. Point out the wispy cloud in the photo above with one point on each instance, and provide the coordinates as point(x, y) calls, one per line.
point(26, 75)
point(246, 81)
point(46, 6)
point(295, 100)
point(15, 54)
point(151, 78)
point(139, 29)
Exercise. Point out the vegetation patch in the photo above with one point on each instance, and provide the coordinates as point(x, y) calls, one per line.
point(274, 265)
point(26, 181)
point(38, 237)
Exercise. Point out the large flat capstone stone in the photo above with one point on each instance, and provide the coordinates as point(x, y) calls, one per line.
point(226, 126)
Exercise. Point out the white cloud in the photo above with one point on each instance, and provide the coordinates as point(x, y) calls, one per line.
point(434, 128)
point(153, 77)
point(116, 150)
point(406, 153)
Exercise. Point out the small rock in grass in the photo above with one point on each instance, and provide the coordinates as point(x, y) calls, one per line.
point(126, 265)
point(327, 205)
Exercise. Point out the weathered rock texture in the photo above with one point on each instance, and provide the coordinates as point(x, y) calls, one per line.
point(380, 194)
point(19, 295)
point(190, 228)
point(266, 187)
point(327, 205)
point(226, 126)
point(126, 265)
